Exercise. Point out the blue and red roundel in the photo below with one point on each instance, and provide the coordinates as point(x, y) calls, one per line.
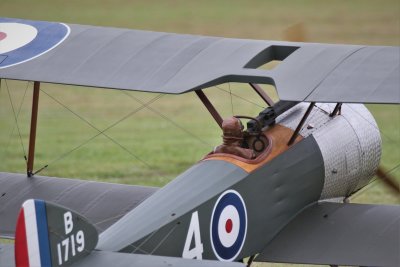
point(24, 40)
point(228, 225)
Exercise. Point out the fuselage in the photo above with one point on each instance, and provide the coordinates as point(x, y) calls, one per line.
point(214, 209)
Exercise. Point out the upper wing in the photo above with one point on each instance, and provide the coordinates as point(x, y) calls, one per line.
point(339, 234)
point(101, 203)
point(176, 63)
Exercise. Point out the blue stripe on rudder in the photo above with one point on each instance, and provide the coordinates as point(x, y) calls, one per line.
point(43, 234)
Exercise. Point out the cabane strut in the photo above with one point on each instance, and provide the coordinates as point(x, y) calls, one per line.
point(210, 107)
point(303, 120)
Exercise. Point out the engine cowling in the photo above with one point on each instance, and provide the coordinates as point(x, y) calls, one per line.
point(350, 144)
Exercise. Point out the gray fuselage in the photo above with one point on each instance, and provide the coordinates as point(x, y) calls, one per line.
point(335, 157)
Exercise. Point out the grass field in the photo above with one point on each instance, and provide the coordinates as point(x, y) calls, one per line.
point(166, 147)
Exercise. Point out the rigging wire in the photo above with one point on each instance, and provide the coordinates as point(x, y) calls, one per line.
point(168, 119)
point(323, 110)
point(118, 216)
point(136, 248)
point(163, 239)
point(230, 93)
point(101, 132)
point(144, 241)
point(16, 120)
point(240, 97)
point(19, 111)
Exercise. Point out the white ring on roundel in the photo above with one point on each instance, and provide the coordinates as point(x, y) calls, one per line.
point(17, 35)
point(228, 238)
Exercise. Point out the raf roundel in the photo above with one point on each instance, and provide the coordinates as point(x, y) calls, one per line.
point(24, 40)
point(228, 225)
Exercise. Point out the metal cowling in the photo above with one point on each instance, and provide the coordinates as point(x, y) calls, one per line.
point(350, 145)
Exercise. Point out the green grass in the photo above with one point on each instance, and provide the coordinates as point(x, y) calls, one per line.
point(166, 148)
point(339, 21)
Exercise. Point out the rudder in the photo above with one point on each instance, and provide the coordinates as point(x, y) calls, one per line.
point(49, 235)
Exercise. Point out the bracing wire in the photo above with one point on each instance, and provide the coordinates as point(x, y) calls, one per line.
point(167, 119)
point(238, 96)
point(163, 239)
point(230, 93)
point(323, 110)
point(136, 248)
point(19, 111)
point(16, 121)
point(100, 132)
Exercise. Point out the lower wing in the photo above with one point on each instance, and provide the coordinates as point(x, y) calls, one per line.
point(339, 234)
point(101, 203)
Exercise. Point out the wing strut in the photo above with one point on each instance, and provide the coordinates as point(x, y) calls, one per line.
point(32, 135)
point(210, 107)
point(337, 110)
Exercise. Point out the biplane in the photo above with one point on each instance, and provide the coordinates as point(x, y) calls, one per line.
point(310, 151)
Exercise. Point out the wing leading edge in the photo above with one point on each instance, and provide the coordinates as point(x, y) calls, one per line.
point(339, 234)
point(176, 63)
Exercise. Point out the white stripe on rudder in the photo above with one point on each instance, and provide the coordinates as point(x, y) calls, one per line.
point(31, 233)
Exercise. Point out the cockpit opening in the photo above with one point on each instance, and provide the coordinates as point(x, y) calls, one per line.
point(254, 143)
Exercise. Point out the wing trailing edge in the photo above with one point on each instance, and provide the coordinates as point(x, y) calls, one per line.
point(339, 234)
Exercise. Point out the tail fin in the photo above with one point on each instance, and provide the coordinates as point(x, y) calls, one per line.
point(49, 235)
